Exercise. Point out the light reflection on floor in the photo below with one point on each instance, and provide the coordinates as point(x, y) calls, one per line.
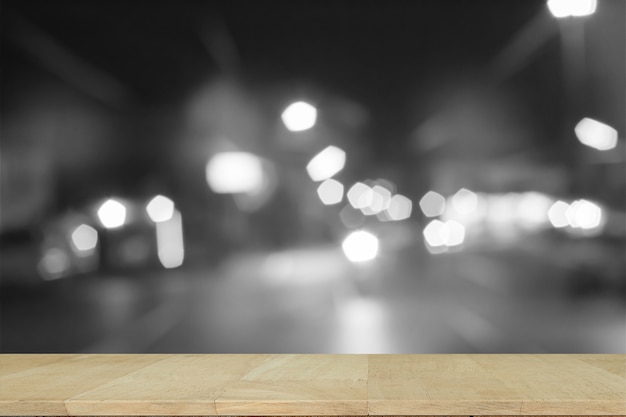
point(362, 327)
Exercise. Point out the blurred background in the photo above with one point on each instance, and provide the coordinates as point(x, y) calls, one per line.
point(313, 176)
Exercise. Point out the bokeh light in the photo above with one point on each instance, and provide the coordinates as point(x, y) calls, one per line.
point(596, 134)
point(439, 234)
point(170, 244)
point(584, 214)
point(383, 201)
point(112, 214)
point(360, 246)
point(359, 195)
point(327, 163)
point(436, 233)
point(432, 204)
point(465, 201)
point(330, 192)
point(565, 8)
point(299, 116)
point(160, 209)
point(234, 172)
point(378, 199)
point(400, 207)
point(84, 239)
point(54, 263)
point(456, 233)
point(557, 214)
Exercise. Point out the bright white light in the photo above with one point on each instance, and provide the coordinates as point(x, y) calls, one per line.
point(378, 199)
point(465, 201)
point(330, 192)
point(559, 8)
point(583, 7)
point(84, 238)
point(326, 163)
point(432, 204)
point(112, 214)
point(596, 134)
point(359, 195)
point(299, 116)
point(400, 207)
point(436, 233)
point(449, 234)
point(455, 233)
point(54, 263)
point(360, 246)
point(584, 214)
point(383, 200)
point(160, 209)
point(234, 172)
point(557, 214)
point(467, 207)
point(532, 209)
point(565, 8)
point(170, 245)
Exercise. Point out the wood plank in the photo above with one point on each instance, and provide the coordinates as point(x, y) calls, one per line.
point(313, 385)
point(300, 385)
point(13, 365)
point(495, 384)
point(606, 362)
point(177, 385)
point(42, 385)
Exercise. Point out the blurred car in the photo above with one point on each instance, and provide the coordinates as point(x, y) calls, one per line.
point(138, 234)
point(120, 235)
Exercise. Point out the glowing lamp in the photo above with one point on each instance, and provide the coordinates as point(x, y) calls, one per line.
point(299, 116)
point(360, 246)
point(234, 172)
point(112, 214)
point(327, 163)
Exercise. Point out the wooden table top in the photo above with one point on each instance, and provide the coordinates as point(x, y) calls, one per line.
point(312, 384)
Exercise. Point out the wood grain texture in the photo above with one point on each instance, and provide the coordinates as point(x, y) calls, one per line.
point(312, 385)
point(497, 384)
point(300, 385)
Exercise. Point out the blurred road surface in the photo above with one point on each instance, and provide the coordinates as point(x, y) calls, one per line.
point(311, 300)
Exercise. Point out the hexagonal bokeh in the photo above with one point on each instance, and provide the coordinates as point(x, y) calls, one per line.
point(465, 201)
point(400, 207)
point(359, 195)
point(435, 233)
point(85, 238)
point(160, 209)
point(557, 214)
point(330, 192)
point(112, 214)
point(432, 204)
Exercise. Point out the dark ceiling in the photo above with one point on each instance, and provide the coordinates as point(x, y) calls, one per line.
point(159, 49)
